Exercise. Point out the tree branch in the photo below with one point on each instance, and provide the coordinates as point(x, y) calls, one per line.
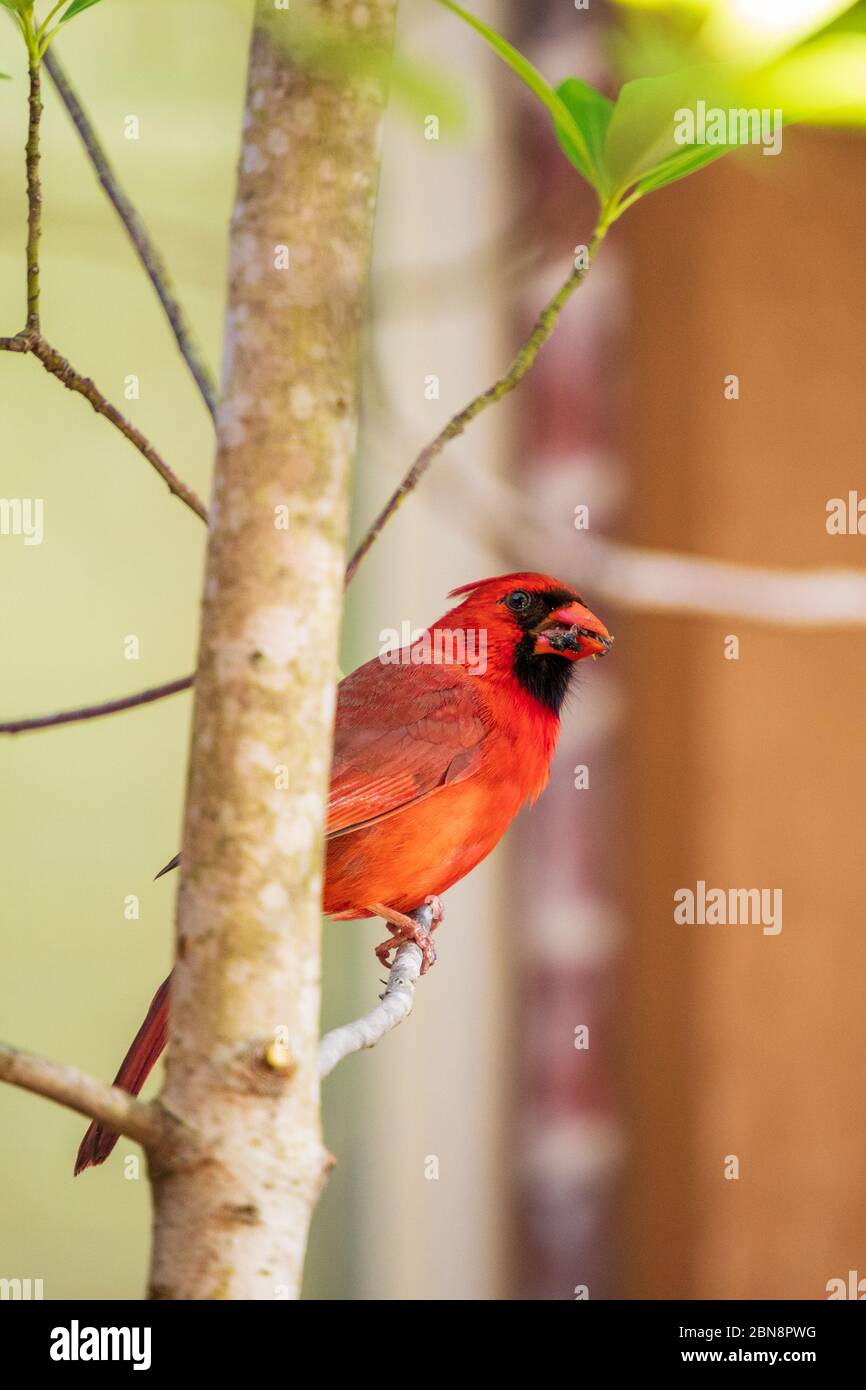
point(661, 581)
point(148, 1124)
point(58, 366)
point(148, 254)
point(520, 365)
point(395, 1006)
point(55, 363)
point(30, 339)
point(76, 716)
point(34, 197)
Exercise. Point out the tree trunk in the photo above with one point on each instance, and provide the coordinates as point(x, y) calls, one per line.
point(233, 1206)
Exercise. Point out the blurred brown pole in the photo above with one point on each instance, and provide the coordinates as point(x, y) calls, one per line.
point(747, 772)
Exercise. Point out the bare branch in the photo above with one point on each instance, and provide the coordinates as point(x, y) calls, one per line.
point(55, 363)
point(147, 253)
point(58, 366)
point(147, 1124)
point(76, 716)
point(150, 1125)
point(30, 339)
point(544, 326)
point(34, 198)
point(395, 1006)
point(661, 581)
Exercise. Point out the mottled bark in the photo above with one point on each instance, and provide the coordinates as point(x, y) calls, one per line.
point(232, 1212)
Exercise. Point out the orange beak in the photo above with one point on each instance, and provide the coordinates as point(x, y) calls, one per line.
point(573, 632)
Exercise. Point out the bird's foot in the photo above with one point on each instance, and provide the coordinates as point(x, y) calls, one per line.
point(416, 926)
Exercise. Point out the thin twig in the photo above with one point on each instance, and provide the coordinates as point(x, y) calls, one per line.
point(57, 365)
point(395, 1006)
point(30, 339)
point(76, 716)
point(544, 326)
point(34, 198)
point(147, 1124)
point(147, 253)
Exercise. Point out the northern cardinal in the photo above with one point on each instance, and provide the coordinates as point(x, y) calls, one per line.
point(434, 754)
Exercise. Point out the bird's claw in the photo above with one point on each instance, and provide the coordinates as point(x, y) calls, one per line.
point(420, 937)
point(417, 927)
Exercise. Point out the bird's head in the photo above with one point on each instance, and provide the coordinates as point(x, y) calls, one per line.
point(543, 625)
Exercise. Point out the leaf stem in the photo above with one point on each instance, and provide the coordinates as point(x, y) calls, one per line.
point(40, 32)
point(532, 78)
point(618, 204)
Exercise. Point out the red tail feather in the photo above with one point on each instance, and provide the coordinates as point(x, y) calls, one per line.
point(135, 1068)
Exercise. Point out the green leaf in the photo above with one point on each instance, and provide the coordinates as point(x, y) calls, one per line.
point(823, 82)
point(591, 111)
point(688, 161)
point(852, 21)
point(76, 7)
point(641, 137)
point(562, 117)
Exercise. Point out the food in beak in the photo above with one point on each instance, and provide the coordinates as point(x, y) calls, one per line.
point(576, 639)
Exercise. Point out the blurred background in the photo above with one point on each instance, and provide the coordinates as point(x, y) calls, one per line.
point(480, 1153)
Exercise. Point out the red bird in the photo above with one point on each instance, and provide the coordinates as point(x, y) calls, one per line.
point(436, 748)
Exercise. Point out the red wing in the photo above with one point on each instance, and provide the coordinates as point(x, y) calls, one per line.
point(402, 733)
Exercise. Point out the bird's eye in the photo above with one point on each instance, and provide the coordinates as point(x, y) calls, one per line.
point(519, 601)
